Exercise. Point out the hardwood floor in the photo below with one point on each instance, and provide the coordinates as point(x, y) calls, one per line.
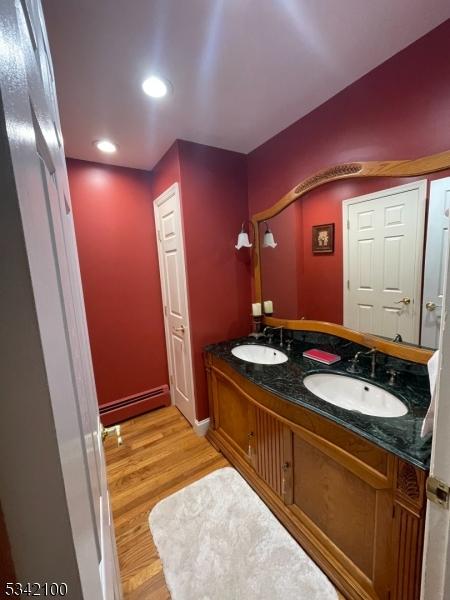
point(160, 454)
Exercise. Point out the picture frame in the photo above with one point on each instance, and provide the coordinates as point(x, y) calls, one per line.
point(323, 238)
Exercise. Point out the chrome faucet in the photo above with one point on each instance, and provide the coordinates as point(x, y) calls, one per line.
point(271, 335)
point(354, 368)
point(373, 365)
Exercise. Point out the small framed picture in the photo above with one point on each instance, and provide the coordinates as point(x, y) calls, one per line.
point(323, 239)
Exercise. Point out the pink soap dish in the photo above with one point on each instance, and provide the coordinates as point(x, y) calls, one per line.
point(326, 358)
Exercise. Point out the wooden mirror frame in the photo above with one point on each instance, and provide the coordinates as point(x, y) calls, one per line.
point(350, 170)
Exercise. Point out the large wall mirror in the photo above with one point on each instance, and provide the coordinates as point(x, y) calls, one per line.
point(365, 253)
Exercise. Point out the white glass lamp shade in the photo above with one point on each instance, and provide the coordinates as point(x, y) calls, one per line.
point(268, 241)
point(243, 241)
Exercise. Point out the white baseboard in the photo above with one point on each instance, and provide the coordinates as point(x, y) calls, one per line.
point(201, 427)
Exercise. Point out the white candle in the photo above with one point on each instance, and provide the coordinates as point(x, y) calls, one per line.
point(256, 309)
point(268, 307)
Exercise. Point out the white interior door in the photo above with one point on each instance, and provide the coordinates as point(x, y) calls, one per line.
point(436, 558)
point(172, 268)
point(41, 184)
point(383, 248)
point(435, 261)
point(66, 259)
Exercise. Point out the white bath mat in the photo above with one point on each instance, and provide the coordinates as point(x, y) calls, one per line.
point(218, 541)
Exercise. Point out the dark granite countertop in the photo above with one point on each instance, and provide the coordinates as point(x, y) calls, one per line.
point(399, 435)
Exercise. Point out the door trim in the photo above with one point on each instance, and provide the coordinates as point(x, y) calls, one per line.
point(436, 187)
point(201, 427)
point(421, 187)
point(174, 190)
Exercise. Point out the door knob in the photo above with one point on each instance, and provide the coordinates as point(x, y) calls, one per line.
point(115, 429)
point(404, 301)
point(180, 328)
point(431, 306)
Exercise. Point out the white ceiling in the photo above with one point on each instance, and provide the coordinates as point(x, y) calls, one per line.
point(242, 70)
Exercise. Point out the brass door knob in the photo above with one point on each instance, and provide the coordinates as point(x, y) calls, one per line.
point(404, 301)
point(180, 328)
point(431, 306)
point(114, 430)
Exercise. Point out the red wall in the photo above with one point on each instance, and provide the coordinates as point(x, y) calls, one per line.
point(116, 241)
point(166, 172)
point(279, 266)
point(214, 203)
point(214, 200)
point(399, 110)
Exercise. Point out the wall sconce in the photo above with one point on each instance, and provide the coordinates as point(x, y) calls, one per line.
point(243, 239)
point(268, 240)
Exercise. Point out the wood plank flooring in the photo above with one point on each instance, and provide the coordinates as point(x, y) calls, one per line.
point(160, 454)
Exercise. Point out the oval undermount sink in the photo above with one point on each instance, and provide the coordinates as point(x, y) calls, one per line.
point(261, 355)
point(354, 394)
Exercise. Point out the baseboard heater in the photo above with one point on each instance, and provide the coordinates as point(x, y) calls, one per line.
point(132, 406)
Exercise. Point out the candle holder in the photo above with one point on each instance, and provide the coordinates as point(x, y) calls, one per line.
point(257, 324)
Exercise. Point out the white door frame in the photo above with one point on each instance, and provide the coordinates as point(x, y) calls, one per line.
point(421, 186)
point(174, 190)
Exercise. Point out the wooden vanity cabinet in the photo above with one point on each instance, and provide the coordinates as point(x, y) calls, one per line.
point(357, 509)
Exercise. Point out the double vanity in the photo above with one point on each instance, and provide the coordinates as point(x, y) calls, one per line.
point(335, 451)
point(337, 388)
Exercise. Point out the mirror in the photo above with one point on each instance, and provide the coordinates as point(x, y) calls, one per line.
point(366, 254)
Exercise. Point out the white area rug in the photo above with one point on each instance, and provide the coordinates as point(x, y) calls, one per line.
point(218, 541)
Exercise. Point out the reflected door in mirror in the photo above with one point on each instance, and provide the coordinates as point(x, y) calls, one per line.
point(384, 269)
point(436, 257)
point(383, 260)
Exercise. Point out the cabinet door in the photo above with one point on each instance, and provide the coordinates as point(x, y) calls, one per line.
point(348, 507)
point(231, 415)
point(271, 451)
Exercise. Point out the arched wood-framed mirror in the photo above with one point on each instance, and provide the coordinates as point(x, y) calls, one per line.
point(380, 250)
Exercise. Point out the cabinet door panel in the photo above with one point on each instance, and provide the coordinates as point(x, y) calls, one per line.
point(323, 490)
point(272, 452)
point(351, 513)
point(231, 414)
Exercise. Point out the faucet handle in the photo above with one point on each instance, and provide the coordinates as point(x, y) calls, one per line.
point(354, 366)
point(392, 376)
point(289, 344)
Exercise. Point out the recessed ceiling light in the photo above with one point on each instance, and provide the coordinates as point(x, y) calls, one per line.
point(155, 87)
point(105, 146)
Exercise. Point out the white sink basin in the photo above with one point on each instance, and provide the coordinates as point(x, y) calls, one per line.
point(261, 355)
point(354, 394)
